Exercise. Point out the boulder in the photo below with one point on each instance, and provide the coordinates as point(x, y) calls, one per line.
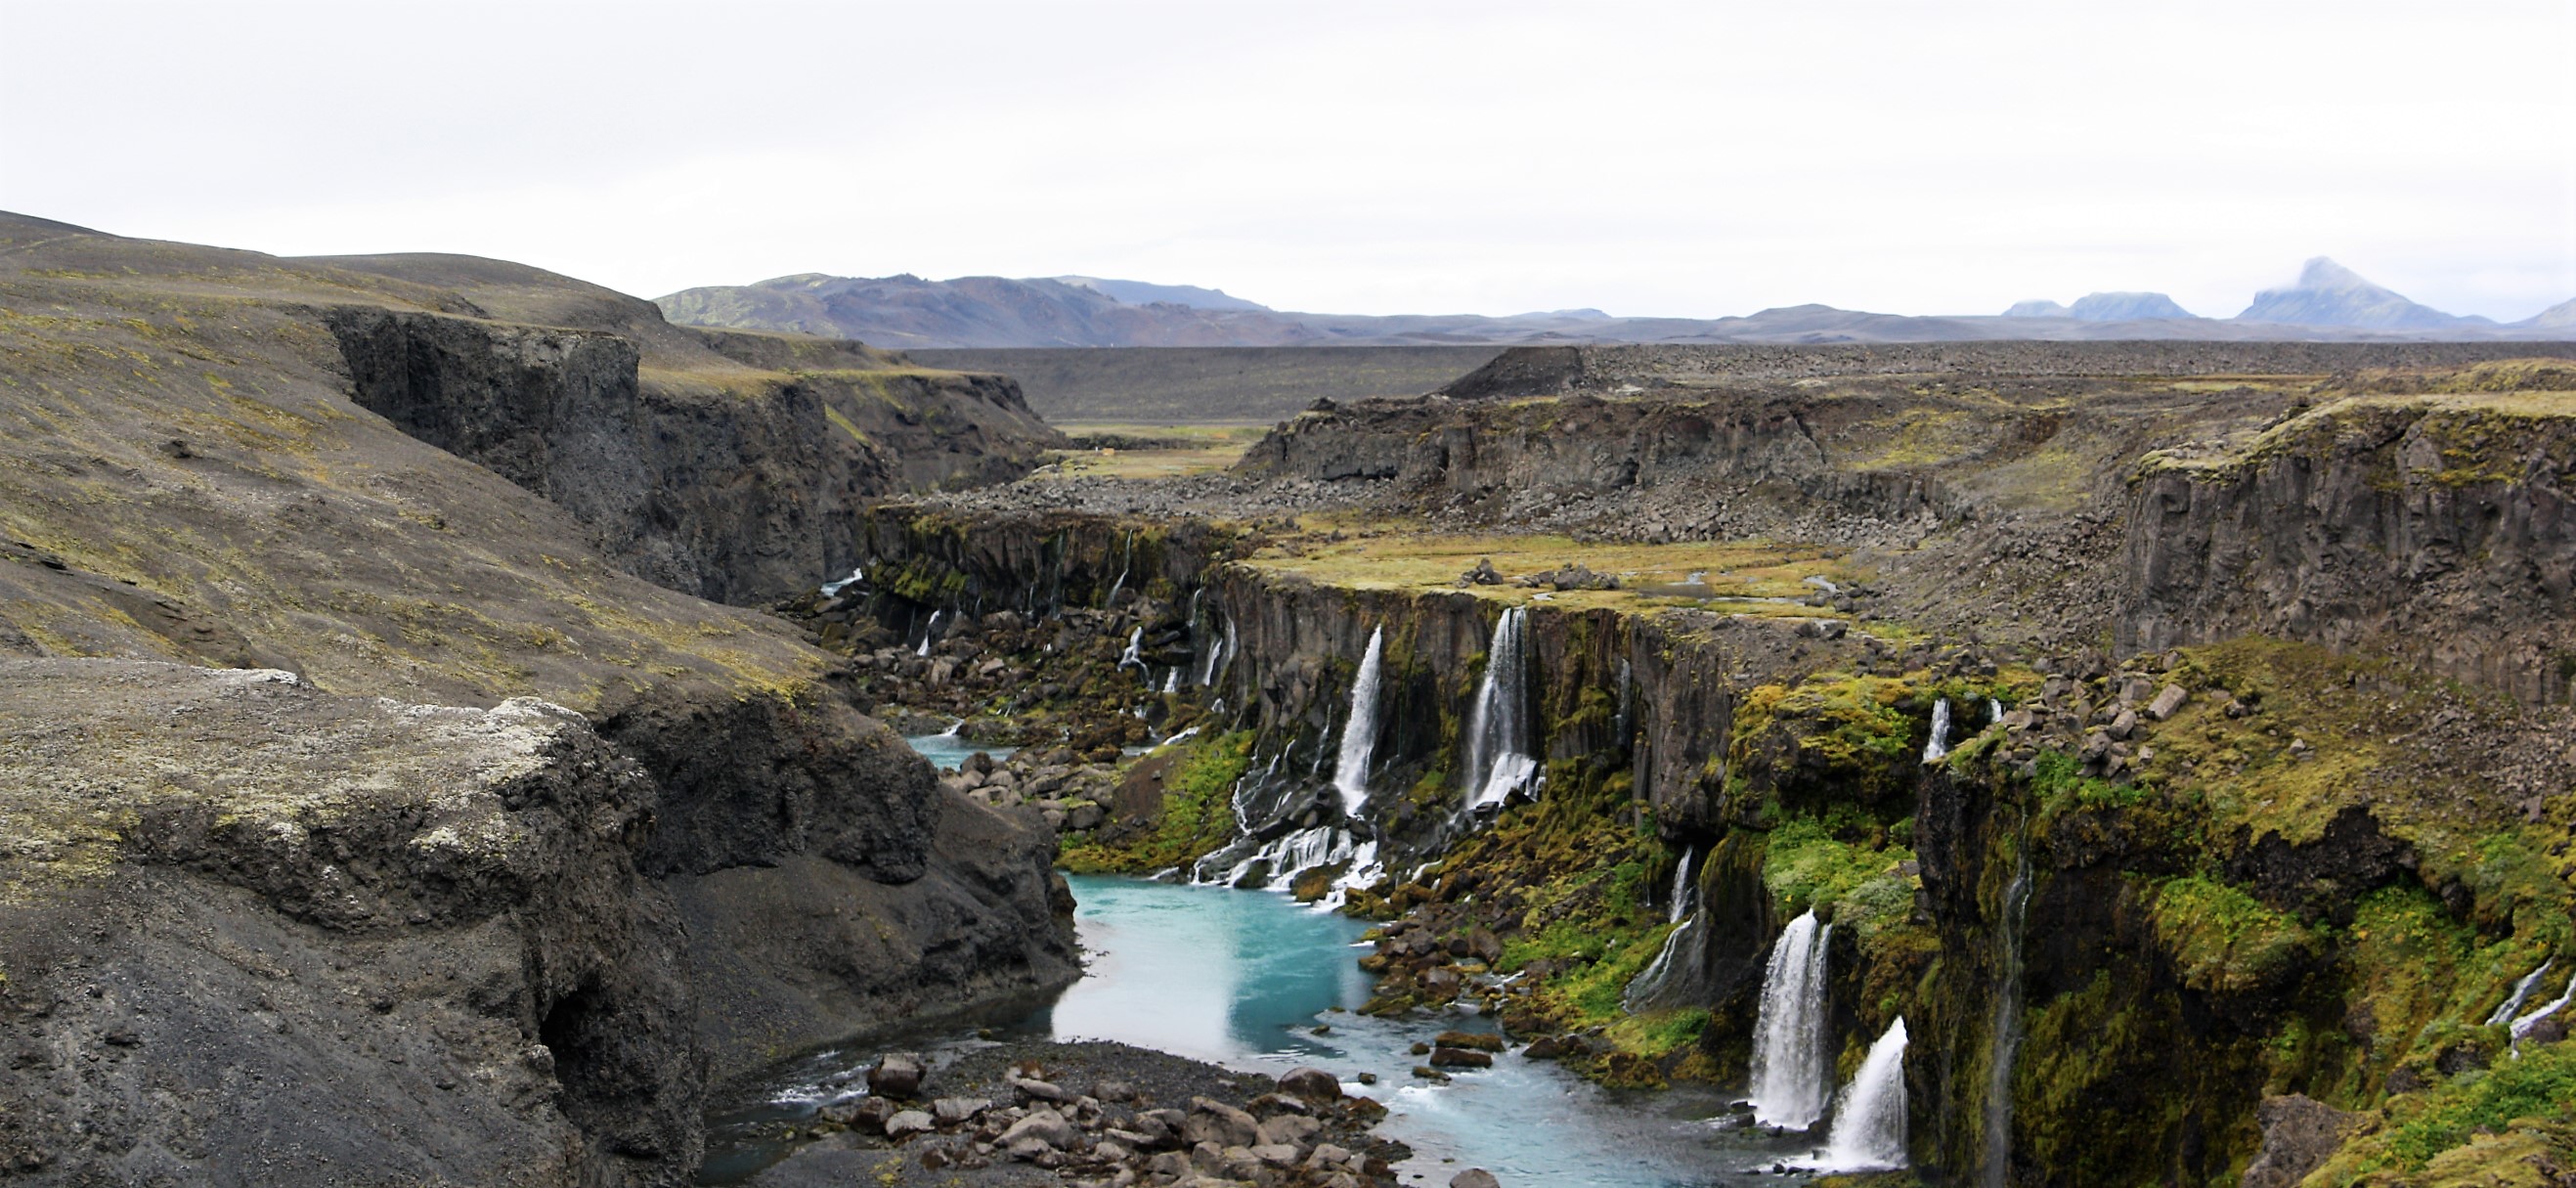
point(897, 1074)
point(1313, 1084)
point(1213, 1121)
point(1460, 1058)
point(1474, 1177)
point(908, 1123)
point(1291, 1129)
point(1043, 1125)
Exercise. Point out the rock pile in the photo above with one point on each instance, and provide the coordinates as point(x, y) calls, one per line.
point(1068, 790)
point(1299, 1132)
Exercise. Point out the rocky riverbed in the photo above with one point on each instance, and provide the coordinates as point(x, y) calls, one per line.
point(1031, 1112)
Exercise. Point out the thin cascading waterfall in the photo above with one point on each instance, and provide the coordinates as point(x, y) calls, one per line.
point(1626, 721)
point(1939, 748)
point(2004, 1030)
point(857, 573)
point(1650, 984)
point(953, 728)
point(2522, 1026)
point(1134, 656)
point(2521, 991)
point(1172, 683)
point(1125, 562)
point(1685, 889)
point(1219, 655)
point(1498, 761)
point(1359, 735)
point(1294, 853)
point(1869, 1118)
point(1251, 783)
point(928, 633)
point(1994, 711)
point(1653, 986)
point(1364, 870)
point(1789, 1054)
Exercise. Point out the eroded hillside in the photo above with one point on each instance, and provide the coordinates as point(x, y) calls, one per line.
point(228, 460)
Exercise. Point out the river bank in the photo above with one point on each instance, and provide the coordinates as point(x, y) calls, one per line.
point(1218, 992)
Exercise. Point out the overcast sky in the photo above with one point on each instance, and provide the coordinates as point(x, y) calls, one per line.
point(1691, 159)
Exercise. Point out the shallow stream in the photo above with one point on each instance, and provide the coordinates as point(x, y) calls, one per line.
point(1246, 979)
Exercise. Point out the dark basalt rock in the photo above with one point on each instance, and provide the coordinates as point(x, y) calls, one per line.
point(2322, 879)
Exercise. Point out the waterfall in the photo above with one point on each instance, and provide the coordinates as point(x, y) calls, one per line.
point(1359, 735)
point(1623, 726)
point(832, 588)
point(1685, 891)
point(1935, 750)
point(2005, 1027)
point(1291, 853)
point(1789, 1056)
point(1682, 952)
point(1135, 653)
point(1498, 762)
point(953, 728)
point(2522, 1026)
point(2521, 991)
point(927, 634)
point(1124, 564)
point(1994, 711)
point(1869, 1118)
point(1172, 683)
point(1650, 984)
point(1218, 655)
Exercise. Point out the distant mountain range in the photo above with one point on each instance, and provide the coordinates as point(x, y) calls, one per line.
point(2328, 303)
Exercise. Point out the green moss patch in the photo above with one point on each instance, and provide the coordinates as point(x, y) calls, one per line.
point(1197, 817)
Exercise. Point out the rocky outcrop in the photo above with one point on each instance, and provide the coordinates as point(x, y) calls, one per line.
point(2439, 534)
point(739, 485)
point(256, 933)
point(1583, 445)
point(489, 931)
point(547, 969)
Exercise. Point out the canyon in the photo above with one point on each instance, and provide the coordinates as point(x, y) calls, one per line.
point(456, 709)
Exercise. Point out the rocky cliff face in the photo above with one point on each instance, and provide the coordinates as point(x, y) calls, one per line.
point(187, 479)
point(738, 486)
point(1584, 446)
point(2406, 527)
point(260, 933)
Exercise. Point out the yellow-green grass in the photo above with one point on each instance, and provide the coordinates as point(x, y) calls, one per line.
point(1740, 575)
point(1209, 448)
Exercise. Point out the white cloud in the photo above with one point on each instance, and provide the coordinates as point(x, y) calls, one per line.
point(1686, 159)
